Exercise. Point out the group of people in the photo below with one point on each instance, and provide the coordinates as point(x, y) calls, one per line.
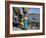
point(20, 20)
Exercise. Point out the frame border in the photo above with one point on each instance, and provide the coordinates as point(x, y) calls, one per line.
point(7, 18)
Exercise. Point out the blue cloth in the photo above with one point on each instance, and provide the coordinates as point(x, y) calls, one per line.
point(25, 23)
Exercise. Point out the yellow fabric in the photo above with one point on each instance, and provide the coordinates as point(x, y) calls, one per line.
point(22, 23)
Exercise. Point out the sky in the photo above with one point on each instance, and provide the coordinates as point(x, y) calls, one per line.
point(32, 10)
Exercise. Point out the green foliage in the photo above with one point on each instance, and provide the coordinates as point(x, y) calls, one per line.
point(20, 16)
